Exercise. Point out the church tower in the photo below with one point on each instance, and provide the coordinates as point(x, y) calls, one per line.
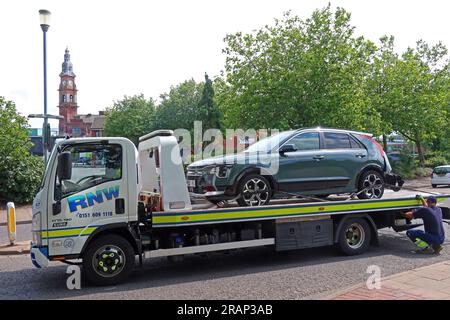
point(67, 95)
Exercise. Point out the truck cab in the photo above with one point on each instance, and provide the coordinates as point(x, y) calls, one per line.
point(99, 190)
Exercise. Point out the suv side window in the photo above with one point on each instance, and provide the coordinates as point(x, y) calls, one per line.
point(306, 141)
point(92, 165)
point(336, 140)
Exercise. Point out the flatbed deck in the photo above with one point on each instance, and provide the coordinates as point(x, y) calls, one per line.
point(277, 210)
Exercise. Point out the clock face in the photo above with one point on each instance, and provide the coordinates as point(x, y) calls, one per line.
point(64, 82)
point(70, 83)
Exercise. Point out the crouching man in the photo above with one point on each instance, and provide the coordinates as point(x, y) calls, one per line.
point(431, 240)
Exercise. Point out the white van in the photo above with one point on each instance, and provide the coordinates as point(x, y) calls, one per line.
point(440, 176)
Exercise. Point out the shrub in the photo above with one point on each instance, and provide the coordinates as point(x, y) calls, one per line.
point(20, 172)
point(435, 161)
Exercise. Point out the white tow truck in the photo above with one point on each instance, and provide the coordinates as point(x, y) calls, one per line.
point(103, 203)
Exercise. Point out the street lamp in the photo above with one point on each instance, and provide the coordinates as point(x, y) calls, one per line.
point(44, 16)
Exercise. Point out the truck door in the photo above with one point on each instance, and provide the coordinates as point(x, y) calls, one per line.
point(92, 197)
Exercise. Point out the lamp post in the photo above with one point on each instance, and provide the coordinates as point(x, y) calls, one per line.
point(44, 16)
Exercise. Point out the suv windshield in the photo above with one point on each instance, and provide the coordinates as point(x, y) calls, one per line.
point(269, 143)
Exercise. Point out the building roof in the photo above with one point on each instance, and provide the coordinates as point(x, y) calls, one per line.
point(98, 123)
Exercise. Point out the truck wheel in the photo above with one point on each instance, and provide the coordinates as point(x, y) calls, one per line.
point(354, 236)
point(434, 185)
point(254, 190)
point(373, 182)
point(108, 260)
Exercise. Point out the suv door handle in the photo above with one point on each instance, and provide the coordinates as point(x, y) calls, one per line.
point(360, 155)
point(318, 157)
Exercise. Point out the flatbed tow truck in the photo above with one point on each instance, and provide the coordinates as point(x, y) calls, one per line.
point(130, 203)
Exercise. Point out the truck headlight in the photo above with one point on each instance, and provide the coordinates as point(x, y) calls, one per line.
point(36, 228)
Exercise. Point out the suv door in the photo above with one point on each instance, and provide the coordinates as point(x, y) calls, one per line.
point(301, 169)
point(344, 158)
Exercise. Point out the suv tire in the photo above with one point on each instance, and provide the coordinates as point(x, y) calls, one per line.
point(253, 190)
point(372, 179)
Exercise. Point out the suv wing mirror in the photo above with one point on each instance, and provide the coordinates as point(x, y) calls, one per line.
point(287, 148)
point(64, 170)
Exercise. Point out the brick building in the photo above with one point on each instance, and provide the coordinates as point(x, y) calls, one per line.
point(74, 124)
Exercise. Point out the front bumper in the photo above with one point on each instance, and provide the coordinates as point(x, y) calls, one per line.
point(39, 256)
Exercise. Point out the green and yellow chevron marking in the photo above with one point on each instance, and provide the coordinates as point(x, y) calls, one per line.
point(70, 232)
point(275, 211)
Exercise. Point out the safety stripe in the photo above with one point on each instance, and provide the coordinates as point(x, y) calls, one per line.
point(69, 232)
point(202, 216)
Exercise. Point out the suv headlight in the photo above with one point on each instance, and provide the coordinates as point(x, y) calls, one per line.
point(36, 228)
point(221, 171)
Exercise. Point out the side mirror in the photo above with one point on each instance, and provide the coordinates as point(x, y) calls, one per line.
point(64, 170)
point(287, 148)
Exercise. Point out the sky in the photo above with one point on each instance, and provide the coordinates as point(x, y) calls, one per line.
point(141, 46)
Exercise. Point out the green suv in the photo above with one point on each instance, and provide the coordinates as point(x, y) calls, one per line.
point(310, 162)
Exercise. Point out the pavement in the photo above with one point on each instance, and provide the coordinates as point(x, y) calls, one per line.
point(425, 283)
point(19, 247)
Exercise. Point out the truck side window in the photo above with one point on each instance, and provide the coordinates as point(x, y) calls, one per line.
point(92, 165)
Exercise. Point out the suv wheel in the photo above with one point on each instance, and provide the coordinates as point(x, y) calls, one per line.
point(254, 190)
point(373, 182)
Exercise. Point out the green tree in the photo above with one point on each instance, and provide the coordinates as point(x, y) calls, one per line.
point(411, 91)
point(298, 73)
point(130, 117)
point(208, 111)
point(20, 172)
point(179, 107)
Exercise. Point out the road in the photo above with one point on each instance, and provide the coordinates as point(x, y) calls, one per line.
point(258, 273)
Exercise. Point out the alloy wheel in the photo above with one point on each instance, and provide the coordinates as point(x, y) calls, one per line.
point(255, 192)
point(373, 186)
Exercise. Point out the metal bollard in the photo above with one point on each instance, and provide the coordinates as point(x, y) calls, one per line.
point(11, 224)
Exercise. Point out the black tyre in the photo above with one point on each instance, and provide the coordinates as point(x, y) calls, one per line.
point(354, 236)
point(434, 185)
point(108, 260)
point(254, 190)
point(373, 182)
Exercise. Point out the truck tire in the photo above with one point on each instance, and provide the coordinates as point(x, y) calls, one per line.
point(354, 236)
point(108, 260)
point(254, 190)
point(374, 181)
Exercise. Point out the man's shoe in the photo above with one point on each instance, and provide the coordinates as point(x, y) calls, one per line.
point(437, 248)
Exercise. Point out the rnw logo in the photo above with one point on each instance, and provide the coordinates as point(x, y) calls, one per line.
point(87, 200)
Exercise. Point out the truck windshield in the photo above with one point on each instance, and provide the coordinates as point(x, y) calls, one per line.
point(92, 165)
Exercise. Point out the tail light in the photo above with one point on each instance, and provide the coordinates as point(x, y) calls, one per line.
point(380, 148)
